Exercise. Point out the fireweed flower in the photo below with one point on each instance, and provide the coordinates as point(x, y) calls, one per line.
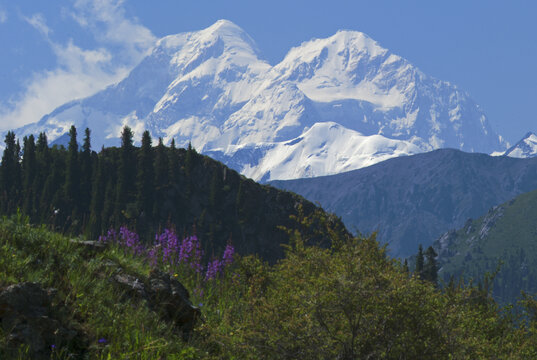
point(213, 269)
point(227, 258)
point(152, 256)
point(190, 252)
point(131, 240)
point(110, 236)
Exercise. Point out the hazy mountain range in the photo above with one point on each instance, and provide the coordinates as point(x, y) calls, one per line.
point(412, 200)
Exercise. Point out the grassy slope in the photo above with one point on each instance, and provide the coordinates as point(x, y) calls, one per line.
point(92, 304)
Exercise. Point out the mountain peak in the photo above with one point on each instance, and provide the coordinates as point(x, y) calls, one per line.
point(224, 25)
point(344, 42)
point(228, 33)
point(525, 148)
point(358, 40)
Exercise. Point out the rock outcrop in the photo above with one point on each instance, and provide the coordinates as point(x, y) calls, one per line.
point(28, 318)
point(164, 294)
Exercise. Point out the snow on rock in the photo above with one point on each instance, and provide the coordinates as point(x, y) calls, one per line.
point(525, 148)
point(330, 105)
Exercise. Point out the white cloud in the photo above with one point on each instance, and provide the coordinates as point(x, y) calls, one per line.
point(80, 72)
point(3, 16)
point(38, 22)
point(107, 19)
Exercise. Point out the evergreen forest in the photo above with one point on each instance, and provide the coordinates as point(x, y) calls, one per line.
point(147, 188)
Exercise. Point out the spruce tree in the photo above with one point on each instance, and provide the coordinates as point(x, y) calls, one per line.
point(86, 174)
point(126, 183)
point(51, 202)
point(430, 270)
point(161, 165)
point(108, 207)
point(419, 263)
point(43, 168)
point(29, 166)
point(97, 199)
point(72, 176)
point(214, 190)
point(10, 174)
point(174, 171)
point(189, 159)
point(145, 177)
point(161, 181)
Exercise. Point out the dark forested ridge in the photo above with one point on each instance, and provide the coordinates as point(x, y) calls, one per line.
point(79, 191)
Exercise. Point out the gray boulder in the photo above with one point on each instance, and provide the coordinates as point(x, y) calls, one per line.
point(27, 317)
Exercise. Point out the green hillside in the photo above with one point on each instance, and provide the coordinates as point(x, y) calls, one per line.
point(505, 236)
point(65, 299)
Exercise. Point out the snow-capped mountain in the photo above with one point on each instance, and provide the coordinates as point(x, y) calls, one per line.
point(525, 148)
point(330, 105)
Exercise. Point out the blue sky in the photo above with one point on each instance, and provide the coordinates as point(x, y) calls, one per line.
point(55, 51)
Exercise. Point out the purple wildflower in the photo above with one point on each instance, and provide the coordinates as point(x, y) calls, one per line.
point(110, 236)
point(152, 256)
point(131, 240)
point(102, 341)
point(213, 269)
point(190, 252)
point(169, 243)
point(227, 258)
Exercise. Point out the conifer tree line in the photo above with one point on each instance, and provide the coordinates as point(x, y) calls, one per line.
point(426, 268)
point(76, 190)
